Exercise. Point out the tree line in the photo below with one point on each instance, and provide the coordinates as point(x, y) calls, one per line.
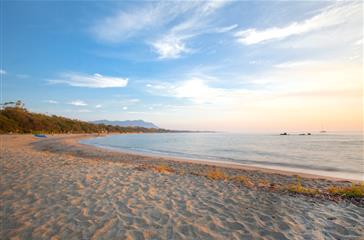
point(15, 118)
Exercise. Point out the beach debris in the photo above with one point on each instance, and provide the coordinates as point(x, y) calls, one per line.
point(263, 183)
point(244, 180)
point(163, 169)
point(141, 167)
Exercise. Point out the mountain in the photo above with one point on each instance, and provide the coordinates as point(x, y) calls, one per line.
point(127, 123)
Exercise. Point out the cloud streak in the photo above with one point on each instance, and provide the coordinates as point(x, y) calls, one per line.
point(172, 44)
point(165, 26)
point(198, 91)
point(52, 101)
point(331, 16)
point(90, 81)
point(78, 103)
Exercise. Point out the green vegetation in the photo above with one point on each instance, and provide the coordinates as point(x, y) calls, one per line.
point(14, 118)
point(355, 190)
point(298, 188)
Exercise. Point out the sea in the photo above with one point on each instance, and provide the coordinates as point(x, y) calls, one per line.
point(333, 155)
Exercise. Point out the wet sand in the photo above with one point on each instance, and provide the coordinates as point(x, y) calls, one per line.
point(59, 189)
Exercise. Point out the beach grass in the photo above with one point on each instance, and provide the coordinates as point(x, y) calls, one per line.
point(216, 175)
point(298, 188)
point(163, 169)
point(244, 180)
point(355, 190)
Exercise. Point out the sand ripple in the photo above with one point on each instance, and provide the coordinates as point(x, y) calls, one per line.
point(59, 196)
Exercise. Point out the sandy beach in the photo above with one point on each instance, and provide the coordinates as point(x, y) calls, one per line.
point(56, 188)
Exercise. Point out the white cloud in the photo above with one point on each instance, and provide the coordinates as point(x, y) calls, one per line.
point(291, 91)
point(172, 44)
point(52, 101)
point(98, 106)
point(125, 108)
point(334, 15)
point(170, 47)
point(78, 103)
point(142, 20)
point(165, 26)
point(196, 90)
point(2, 72)
point(91, 81)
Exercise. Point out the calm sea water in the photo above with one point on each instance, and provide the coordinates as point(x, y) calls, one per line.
point(335, 155)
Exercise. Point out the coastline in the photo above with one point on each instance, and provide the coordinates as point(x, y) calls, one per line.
point(57, 188)
point(210, 162)
point(70, 144)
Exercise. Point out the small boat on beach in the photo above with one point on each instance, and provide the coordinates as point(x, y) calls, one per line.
point(40, 135)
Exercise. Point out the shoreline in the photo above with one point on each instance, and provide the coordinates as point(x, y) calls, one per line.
point(217, 163)
point(70, 144)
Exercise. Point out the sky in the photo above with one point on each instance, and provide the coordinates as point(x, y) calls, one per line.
point(239, 66)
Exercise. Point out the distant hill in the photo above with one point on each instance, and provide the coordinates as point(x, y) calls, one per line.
point(127, 123)
point(17, 119)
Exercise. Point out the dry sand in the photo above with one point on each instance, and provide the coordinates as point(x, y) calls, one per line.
point(58, 189)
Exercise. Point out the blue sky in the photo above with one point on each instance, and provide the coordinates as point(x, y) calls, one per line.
point(235, 66)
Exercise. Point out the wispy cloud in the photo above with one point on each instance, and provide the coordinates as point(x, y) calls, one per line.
point(226, 29)
point(334, 15)
point(172, 44)
point(140, 20)
point(295, 64)
point(197, 90)
point(165, 26)
point(98, 106)
point(78, 103)
point(51, 101)
point(91, 81)
point(2, 72)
